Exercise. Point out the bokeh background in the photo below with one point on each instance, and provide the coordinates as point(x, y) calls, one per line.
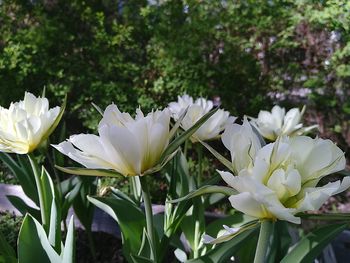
point(246, 55)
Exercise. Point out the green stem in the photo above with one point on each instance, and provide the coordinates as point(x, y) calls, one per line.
point(39, 188)
point(186, 148)
point(149, 216)
point(58, 181)
point(266, 228)
point(135, 181)
point(200, 167)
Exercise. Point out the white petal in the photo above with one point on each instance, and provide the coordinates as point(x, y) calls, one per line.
point(245, 203)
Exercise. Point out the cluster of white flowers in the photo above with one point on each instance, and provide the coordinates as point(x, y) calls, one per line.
point(279, 179)
point(276, 181)
point(277, 122)
point(193, 111)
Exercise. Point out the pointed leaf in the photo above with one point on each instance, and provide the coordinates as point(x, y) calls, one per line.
point(177, 124)
point(99, 110)
point(22, 206)
point(89, 172)
point(223, 252)
point(68, 253)
point(207, 189)
point(24, 177)
point(176, 143)
point(57, 120)
point(48, 192)
point(130, 218)
point(310, 246)
point(55, 227)
point(33, 245)
point(218, 156)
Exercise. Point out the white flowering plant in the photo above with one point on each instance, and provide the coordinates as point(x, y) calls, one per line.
point(272, 186)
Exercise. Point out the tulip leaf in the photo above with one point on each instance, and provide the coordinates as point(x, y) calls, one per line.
point(207, 189)
point(222, 253)
point(235, 220)
point(326, 216)
point(48, 192)
point(33, 245)
point(88, 172)
point(310, 246)
point(140, 259)
point(55, 227)
point(130, 218)
point(57, 120)
point(176, 143)
point(99, 110)
point(218, 156)
point(177, 124)
point(68, 253)
point(24, 176)
point(22, 206)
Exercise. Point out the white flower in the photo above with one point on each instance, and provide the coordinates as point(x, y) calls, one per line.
point(209, 130)
point(280, 179)
point(278, 122)
point(129, 146)
point(27, 123)
point(243, 144)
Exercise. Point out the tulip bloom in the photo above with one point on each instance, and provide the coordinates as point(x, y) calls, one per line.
point(209, 130)
point(278, 122)
point(129, 146)
point(25, 124)
point(279, 180)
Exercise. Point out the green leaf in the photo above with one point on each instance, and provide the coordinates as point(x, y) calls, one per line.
point(33, 245)
point(48, 192)
point(235, 220)
point(177, 124)
point(55, 227)
point(207, 189)
point(140, 259)
point(99, 110)
point(57, 120)
point(25, 177)
point(218, 156)
point(22, 206)
point(68, 253)
point(146, 249)
point(310, 246)
point(327, 216)
point(89, 172)
point(130, 218)
point(223, 252)
point(7, 253)
point(176, 143)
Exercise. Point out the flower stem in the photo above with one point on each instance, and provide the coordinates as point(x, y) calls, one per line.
point(149, 216)
point(39, 188)
point(266, 228)
point(200, 166)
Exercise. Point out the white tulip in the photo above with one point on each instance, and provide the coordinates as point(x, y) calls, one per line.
point(242, 143)
point(209, 130)
point(278, 122)
point(129, 146)
point(280, 179)
point(25, 124)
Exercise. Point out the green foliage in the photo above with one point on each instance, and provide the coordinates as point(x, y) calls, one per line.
point(136, 53)
point(9, 227)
